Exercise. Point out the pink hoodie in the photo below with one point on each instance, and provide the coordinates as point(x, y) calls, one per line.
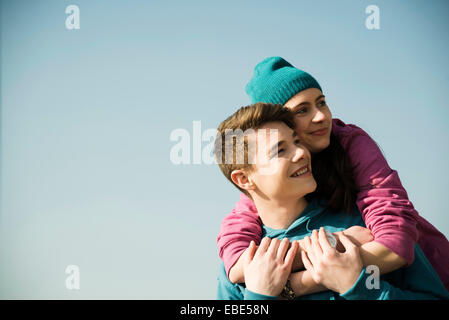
point(382, 201)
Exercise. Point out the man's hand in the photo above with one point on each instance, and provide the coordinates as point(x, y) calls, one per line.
point(336, 271)
point(267, 268)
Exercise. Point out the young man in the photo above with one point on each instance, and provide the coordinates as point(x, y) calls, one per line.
point(276, 174)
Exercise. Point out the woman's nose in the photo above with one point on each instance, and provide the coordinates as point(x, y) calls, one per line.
point(318, 116)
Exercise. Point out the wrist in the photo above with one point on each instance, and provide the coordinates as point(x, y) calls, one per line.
point(251, 295)
point(303, 284)
point(352, 291)
point(351, 282)
point(288, 293)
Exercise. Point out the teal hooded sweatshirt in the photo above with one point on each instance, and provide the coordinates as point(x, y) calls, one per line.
point(417, 281)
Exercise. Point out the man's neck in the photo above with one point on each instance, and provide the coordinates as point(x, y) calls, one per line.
point(279, 214)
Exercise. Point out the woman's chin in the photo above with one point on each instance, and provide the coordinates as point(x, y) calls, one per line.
point(319, 146)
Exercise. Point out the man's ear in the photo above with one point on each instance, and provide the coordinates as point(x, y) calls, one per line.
point(242, 180)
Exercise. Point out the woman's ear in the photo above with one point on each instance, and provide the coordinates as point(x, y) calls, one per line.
point(242, 180)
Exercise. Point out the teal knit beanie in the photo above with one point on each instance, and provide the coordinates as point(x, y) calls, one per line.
point(276, 81)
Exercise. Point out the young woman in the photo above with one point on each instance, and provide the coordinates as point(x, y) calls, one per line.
point(354, 171)
point(277, 175)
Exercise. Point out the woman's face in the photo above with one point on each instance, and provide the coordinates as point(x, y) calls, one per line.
point(313, 119)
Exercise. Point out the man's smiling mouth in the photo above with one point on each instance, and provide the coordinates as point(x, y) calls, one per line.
point(300, 171)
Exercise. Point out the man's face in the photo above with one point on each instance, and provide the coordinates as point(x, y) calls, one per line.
point(282, 168)
point(313, 119)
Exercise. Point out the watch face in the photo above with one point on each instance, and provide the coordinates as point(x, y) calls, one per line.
point(332, 239)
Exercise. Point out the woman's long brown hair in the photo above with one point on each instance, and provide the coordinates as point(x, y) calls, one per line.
point(334, 176)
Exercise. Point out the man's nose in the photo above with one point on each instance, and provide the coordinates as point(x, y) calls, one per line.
point(299, 154)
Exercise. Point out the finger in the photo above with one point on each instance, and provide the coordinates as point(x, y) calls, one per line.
point(302, 244)
point(249, 253)
point(264, 244)
point(283, 247)
point(273, 248)
point(316, 244)
point(309, 250)
point(291, 254)
point(324, 242)
point(346, 242)
point(306, 261)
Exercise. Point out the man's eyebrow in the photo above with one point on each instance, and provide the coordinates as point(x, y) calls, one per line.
point(307, 103)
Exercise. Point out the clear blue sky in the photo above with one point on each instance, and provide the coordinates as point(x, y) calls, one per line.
point(86, 116)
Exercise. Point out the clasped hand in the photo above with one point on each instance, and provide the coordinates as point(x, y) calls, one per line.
point(335, 270)
point(267, 268)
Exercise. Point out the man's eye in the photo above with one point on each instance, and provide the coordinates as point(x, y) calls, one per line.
point(278, 153)
point(297, 141)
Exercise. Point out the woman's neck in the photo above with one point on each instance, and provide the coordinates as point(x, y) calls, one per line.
point(277, 214)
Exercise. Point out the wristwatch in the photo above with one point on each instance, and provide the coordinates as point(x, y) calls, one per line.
point(288, 292)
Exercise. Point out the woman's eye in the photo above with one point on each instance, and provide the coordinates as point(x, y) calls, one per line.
point(322, 103)
point(301, 111)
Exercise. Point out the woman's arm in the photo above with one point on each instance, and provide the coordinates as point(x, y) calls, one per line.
point(343, 273)
point(303, 284)
point(238, 229)
point(382, 200)
point(372, 253)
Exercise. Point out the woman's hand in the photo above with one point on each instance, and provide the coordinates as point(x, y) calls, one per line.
point(357, 234)
point(268, 267)
point(336, 271)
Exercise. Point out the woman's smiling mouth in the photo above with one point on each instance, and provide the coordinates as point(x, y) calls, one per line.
point(320, 132)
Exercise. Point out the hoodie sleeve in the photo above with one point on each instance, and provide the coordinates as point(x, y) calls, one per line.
point(382, 200)
point(237, 230)
point(417, 282)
